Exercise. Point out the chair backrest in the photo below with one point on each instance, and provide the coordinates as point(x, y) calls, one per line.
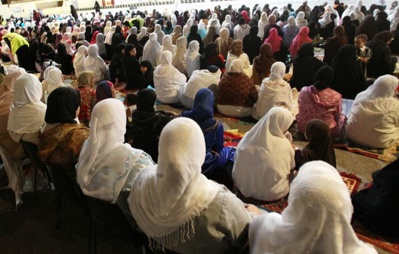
point(31, 151)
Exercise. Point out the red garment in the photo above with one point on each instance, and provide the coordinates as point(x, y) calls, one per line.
point(325, 105)
point(301, 38)
point(245, 16)
point(237, 89)
point(94, 38)
point(274, 40)
point(88, 98)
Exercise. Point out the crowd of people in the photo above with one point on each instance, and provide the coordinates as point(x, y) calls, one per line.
point(159, 167)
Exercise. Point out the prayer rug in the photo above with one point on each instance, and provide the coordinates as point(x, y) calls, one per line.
point(232, 137)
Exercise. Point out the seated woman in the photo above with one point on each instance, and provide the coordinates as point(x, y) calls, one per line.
point(147, 123)
point(194, 214)
point(54, 80)
point(116, 70)
point(381, 61)
point(87, 96)
point(168, 80)
point(61, 138)
point(148, 72)
point(265, 157)
point(262, 64)
point(333, 44)
point(321, 102)
point(27, 111)
point(79, 60)
point(131, 66)
point(211, 57)
point(300, 39)
point(95, 64)
point(326, 224)
point(305, 66)
point(277, 46)
point(274, 92)
point(375, 207)
point(11, 152)
point(202, 113)
point(207, 78)
point(62, 57)
point(192, 58)
point(374, 119)
point(237, 93)
point(151, 49)
point(105, 90)
point(320, 146)
point(236, 52)
point(107, 167)
point(349, 79)
point(223, 43)
point(179, 60)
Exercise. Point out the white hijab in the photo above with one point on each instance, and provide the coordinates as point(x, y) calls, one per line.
point(179, 61)
point(383, 87)
point(237, 66)
point(326, 19)
point(168, 45)
point(187, 27)
point(78, 61)
point(317, 219)
point(160, 33)
point(227, 21)
point(300, 20)
point(348, 11)
point(264, 157)
point(166, 198)
point(107, 27)
point(105, 162)
point(108, 36)
point(27, 111)
point(54, 80)
point(151, 49)
point(193, 57)
point(274, 92)
point(143, 32)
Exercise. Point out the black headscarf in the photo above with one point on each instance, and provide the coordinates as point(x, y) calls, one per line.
point(368, 27)
point(149, 74)
point(62, 104)
point(211, 50)
point(146, 100)
point(320, 145)
point(306, 50)
point(349, 79)
point(323, 78)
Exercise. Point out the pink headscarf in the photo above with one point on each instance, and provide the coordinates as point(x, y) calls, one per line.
point(301, 38)
point(274, 40)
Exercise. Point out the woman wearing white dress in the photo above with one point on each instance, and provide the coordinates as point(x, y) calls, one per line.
point(374, 118)
point(261, 25)
point(168, 80)
point(151, 49)
point(274, 92)
point(96, 64)
point(79, 60)
point(167, 46)
point(193, 58)
point(300, 20)
point(236, 52)
point(177, 207)
point(265, 156)
point(317, 219)
point(179, 60)
point(160, 33)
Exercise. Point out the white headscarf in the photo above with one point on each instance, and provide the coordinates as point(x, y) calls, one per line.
point(317, 219)
point(358, 14)
point(173, 19)
point(274, 92)
point(143, 32)
point(348, 11)
point(326, 19)
point(54, 80)
point(300, 20)
point(193, 57)
point(265, 157)
point(187, 27)
point(105, 162)
point(179, 61)
point(151, 49)
point(383, 87)
point(107, 27)
point(27, 111)
point(78, 61)
point(167, 79)
point(160, 33)
point(93, 62)
point(108, 36)
point(166, 198)
point(227, 21)
point(167, 45)
point(237, 66)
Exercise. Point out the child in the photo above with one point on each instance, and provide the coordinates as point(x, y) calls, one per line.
point(363, 52)
point(130, 102)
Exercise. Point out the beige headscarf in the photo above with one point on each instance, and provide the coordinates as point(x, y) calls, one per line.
point(166, 198)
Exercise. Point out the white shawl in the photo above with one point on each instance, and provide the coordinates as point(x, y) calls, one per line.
point(201, 79)
point(274, 92)
point(261, 25)
point(27, 111)
point(317, 219)
point(167, 45)
point(244, 58)
point(187, 27)
point(151, 49)
point(108, 36)
point(105, 162)
point(143, 32)
point(166, 198)
point(264, 157)
point(160, 33)
point(325, 20)
point(168, 81)
point(78, 61)
point(93, 62)
point(179, 60)
point(300, 20)
point(383, 87)
point(193, 58)
point(54, 80)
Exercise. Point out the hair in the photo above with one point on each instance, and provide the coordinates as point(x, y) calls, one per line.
point(131, 99)
point(86, 79)
point(362, 37)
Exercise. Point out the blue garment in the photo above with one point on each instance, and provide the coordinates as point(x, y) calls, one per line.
point(216, 154)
